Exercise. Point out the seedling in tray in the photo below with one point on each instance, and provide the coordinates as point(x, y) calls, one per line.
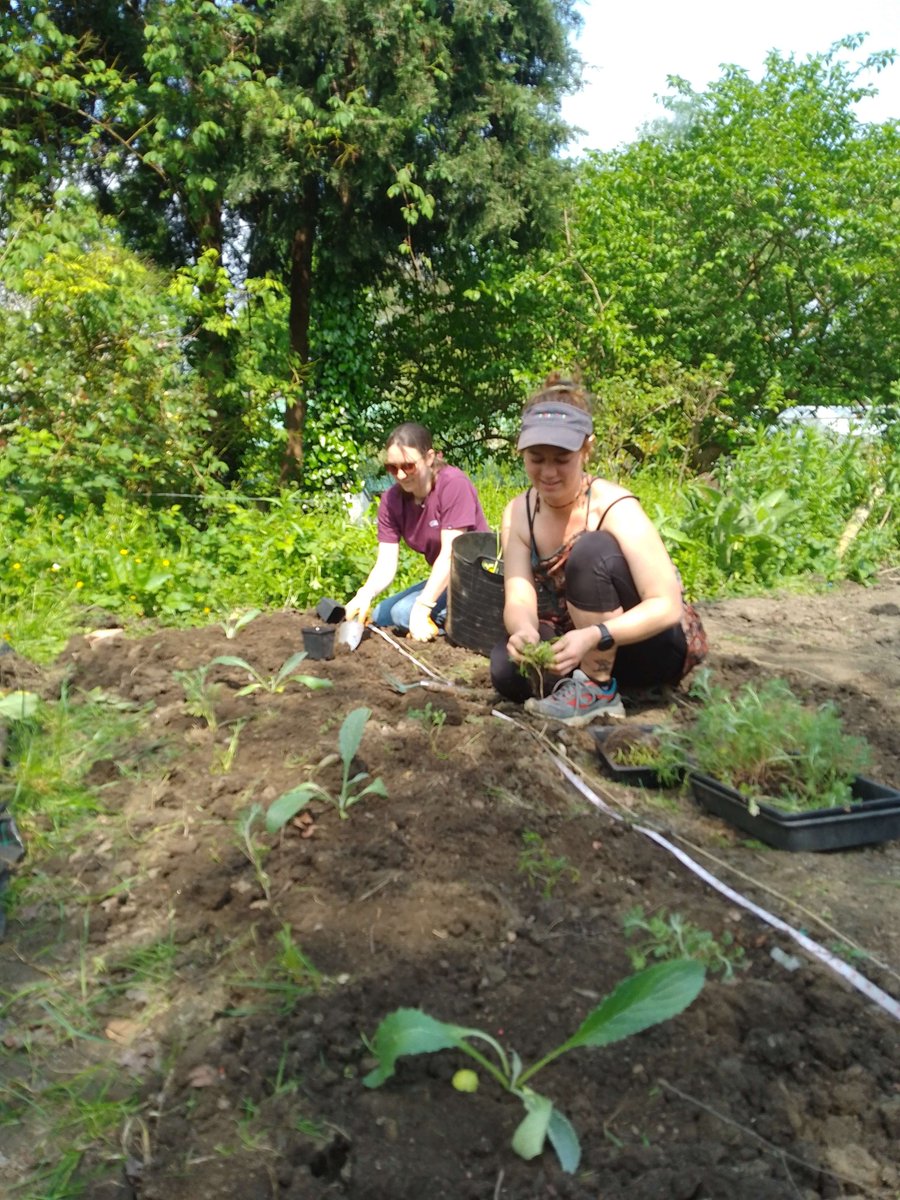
point(642, 1000)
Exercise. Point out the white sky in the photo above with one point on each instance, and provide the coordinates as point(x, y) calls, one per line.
point(630, 46)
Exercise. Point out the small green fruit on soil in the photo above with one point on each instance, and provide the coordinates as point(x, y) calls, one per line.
point(465, 1081)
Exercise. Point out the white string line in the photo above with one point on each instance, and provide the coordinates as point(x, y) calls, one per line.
point(850, 974)
point(387, 637)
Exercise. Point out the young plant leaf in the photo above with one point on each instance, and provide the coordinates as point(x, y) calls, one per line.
point(641, 1000)
point(289, 804)
point(528, 1140)
point(410, 1031)
point(18, 706)
point(231, 660)
point(351, 732)
point(564, 1141)
point(313, 682)
point(286, 667)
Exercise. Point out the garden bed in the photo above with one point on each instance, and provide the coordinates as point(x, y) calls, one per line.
point(244, 1062)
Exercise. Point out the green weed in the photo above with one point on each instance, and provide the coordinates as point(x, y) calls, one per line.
point(201, 694)
point(663, 935)
point(543, 870)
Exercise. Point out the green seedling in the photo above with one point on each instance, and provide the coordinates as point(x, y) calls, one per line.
point(665, 935)
point(246, 826)
point(349, 738)
point(286, 978)
point(274, 683)
point(542, 869)
point(433, 718)
point(223, 756)
point(236, 620)
point(200, 694)
point(537, 657)
point(642, 1000)
point(765, 743)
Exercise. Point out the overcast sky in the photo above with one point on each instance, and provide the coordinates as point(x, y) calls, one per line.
point(630, 47)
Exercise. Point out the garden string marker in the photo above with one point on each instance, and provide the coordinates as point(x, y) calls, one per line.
point(387, 637)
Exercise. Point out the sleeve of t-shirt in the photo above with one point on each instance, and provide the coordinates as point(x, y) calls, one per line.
point(388, 518)
point(458, 508)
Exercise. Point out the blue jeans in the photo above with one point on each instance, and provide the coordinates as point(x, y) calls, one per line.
point(395, 610)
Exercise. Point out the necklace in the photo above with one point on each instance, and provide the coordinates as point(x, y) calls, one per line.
point(572, 503)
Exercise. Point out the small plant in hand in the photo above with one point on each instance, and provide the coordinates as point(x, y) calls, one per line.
point(537, 657)
point(542, 869)
point(272, 683)
point(767, 745)
point(350, 736)
point(664, 935)
point(654, 995)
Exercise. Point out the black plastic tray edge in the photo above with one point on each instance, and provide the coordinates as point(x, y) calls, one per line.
point(875, 819)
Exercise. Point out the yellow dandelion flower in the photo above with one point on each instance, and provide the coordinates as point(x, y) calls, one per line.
point(79, 584)
point(137, 560)
point(207, 610)
point(17, 566)
point(166, 563)
point(124, 553)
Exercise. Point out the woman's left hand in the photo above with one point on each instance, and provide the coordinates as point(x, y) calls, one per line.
point(421, 626)
point(570, 649)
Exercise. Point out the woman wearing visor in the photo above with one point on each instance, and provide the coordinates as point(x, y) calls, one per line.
point(428, 507)
point(585, 568)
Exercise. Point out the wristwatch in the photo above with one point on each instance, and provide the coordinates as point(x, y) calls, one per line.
point(607, 641)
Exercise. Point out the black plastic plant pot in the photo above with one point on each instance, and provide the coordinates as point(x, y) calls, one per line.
point(330, 611)
point(874, 816)
point(475, 593)
point(609, 739)
point(318, 641)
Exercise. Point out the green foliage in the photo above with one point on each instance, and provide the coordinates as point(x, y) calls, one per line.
point(663, 935)
point(766, 744)
point(639, 1002)
point(286, 673)
point(543, 870)
point(350, 736)
point(201, 694)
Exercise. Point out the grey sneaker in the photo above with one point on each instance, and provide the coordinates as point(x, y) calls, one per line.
point(578, 700)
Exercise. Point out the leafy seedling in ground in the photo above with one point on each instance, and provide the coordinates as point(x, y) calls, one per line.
point(664, 935)
point(642, 1000)
point(349, 738)
point(542, 869)
point(201, 695)
point(274, 683)
point(236, 620)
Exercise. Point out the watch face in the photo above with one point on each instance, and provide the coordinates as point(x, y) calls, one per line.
point(606, 638)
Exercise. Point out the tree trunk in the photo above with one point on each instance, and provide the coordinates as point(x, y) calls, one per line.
point(298, 323)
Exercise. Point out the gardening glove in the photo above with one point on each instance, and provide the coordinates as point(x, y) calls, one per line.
point(359, 608)
point(421, 626)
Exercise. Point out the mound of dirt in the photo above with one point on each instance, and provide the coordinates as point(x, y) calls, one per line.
point(782, 1081)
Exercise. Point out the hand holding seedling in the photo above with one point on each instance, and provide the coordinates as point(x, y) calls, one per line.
point(570, 649)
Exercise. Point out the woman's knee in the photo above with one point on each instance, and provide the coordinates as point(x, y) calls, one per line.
point(597, 575)
point(506, 677)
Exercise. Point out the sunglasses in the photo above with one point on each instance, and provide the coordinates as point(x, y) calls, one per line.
point(408, 468)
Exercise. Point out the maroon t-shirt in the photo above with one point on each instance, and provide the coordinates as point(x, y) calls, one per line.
point(451, 504)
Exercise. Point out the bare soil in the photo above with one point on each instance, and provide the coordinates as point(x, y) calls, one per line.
point(782, 1082)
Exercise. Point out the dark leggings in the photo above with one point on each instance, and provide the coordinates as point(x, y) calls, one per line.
point(598, 580)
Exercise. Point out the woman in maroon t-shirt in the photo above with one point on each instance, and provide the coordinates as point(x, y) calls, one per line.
point(428, 507)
